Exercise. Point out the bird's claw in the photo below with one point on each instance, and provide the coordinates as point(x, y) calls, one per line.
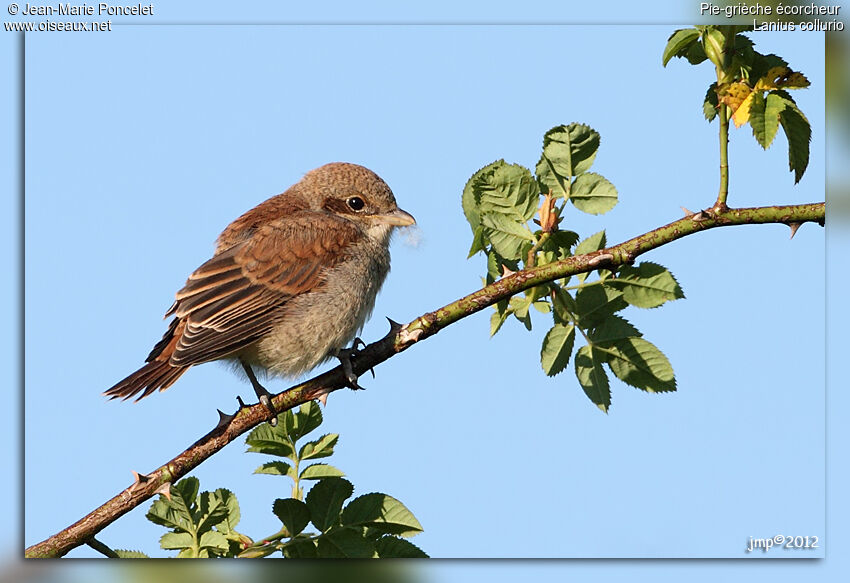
point(263, 395)
point(345, 355)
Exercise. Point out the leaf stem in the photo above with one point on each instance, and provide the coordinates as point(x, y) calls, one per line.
point(724, 158)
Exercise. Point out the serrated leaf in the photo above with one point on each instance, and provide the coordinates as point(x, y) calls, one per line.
point(301, 549)
point(592, 378)
point(507, 236)
point(381, 512)
point(560, 242)
point(593, 194)
point(297, 425)
point(390, 547)
point(640, 364)
point(128, 554)
point(469, 202)
point(737, 96)
point(696, 54)
point(478, 241)
point(320, 471)
point(214, 541)
point(232, 513)
point(322, 447)
point(648, 285)
point(519, 308)
point(293, 513)
point(211, 511)
point(557, 348)
point(276, 469)
point(592, 243)
point(799, 134)
point(709, 105)
point(176, 513)
point(563, 306)
point(345, 543)
point(176, 540)
point(325, 501)
point(679, 43)
point(270, 440)
point(508, 190)
point(764, 117)
point(496, 321)
point(613, 328)
point(596, 303)
point(568, 150)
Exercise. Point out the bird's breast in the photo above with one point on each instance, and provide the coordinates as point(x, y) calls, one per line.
point(315, 324)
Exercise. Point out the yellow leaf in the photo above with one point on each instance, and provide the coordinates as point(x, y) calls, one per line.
point(742, 114)
point(781, 78)
point(737, 96)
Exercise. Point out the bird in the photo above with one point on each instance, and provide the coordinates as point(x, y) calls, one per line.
point(290, 284)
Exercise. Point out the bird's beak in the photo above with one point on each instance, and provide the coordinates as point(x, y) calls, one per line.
point(397, 218)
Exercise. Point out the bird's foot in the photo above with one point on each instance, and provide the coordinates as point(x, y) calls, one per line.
point(263, 395)
point(345, 355)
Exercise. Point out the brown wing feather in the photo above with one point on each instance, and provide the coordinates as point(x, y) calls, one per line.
point(233, 299)
point(230, 301)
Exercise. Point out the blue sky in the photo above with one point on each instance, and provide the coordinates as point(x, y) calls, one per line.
point(143, 143)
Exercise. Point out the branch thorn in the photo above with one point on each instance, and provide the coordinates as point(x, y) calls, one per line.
point(794, 227)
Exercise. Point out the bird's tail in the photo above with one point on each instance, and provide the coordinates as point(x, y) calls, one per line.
point(156, 374)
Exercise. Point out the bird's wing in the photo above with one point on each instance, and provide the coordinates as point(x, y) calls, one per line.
point(235, 298)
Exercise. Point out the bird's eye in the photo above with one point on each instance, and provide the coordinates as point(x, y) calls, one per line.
point(355, 203)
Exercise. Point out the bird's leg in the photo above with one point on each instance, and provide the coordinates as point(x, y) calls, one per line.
point(345, 355)
point(263, 395)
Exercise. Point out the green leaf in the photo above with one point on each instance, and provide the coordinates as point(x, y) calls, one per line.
point(301, 549)
point(276, 469)
point(470, 203)
point(176, 540)
point(510, 191)
point(508, 237)
point(519, 307)
point(211, 511)
point(709, 105)
point(319, 471)
point(322, 447)
point(679, 43)
point(228, 501)
point(271, 440)
point(214, 541)
point(560, 242)
point(325, 501)
point(176, 513)
point(595, 303)
point(478, 241)
point(297, 425)
point(381, 512)
point(345, 543)
point(128, 554)
point(293, 513)
point(799, 134)
point(613, 328)
point(696, 54)
point(593, 194)
point(557, 348)
point(497, 319)
point(563, 305)
point(764, 117)
point(592, 378)
point(590, 244)
point(640, 364)
point(390, 547)
point(646, 286)
point(567, 151)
